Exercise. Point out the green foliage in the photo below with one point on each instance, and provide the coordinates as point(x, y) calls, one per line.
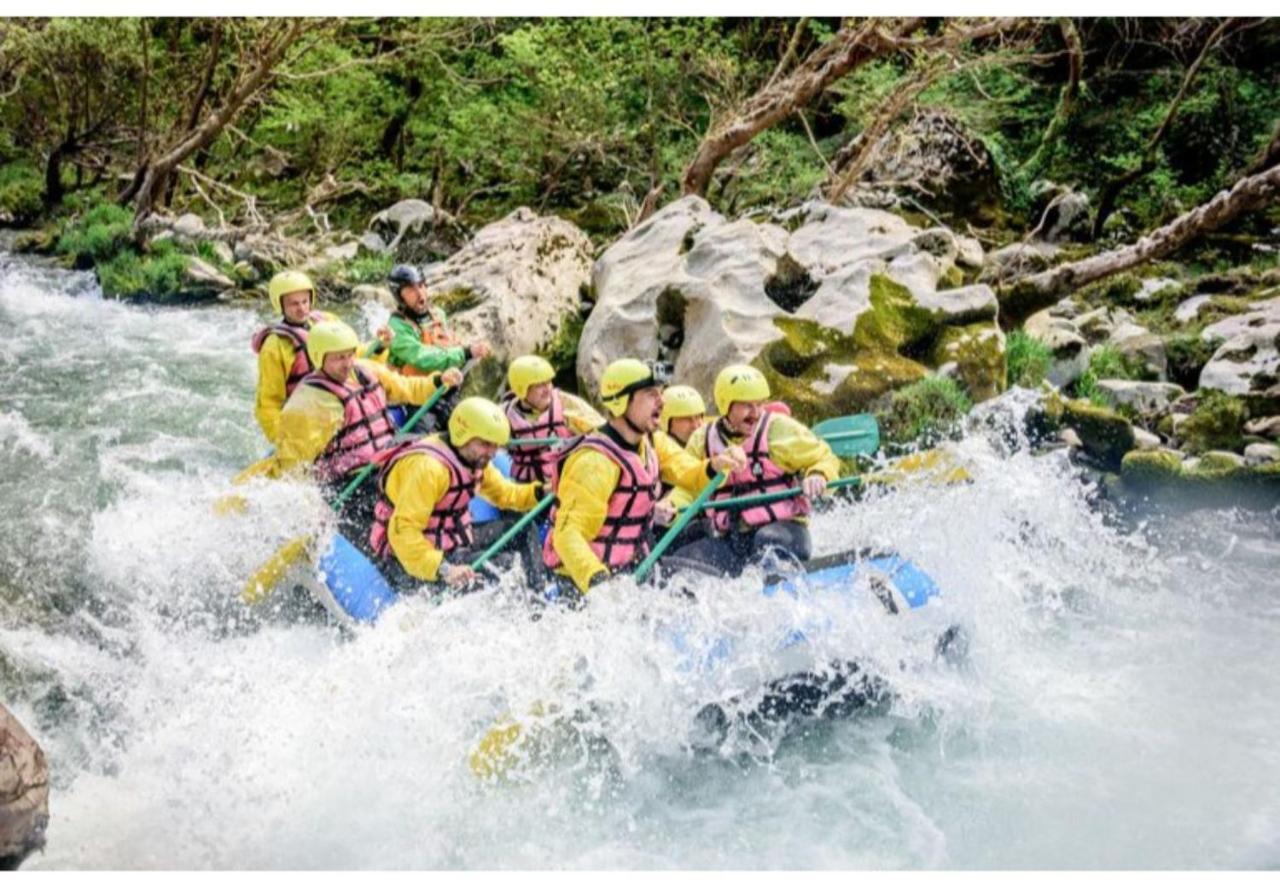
point(1217, 423)
point(1106, 361)
point(924, 411)
point(1187, 354)
point(562, 351)
point(129, 274)
point(20, 188)
point(368, 268)
point(98, 235)
point(1028, 359)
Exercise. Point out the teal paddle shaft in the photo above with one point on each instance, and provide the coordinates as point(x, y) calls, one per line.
point(681, 521)
point(364, 472)
point(534, 441)
point(511, 533)
point(746, 501)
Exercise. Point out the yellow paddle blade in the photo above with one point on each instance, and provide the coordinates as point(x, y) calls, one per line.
point(259, 468)
point(931, 466)
point(230, 505)
point(263, 582)
point(493, 756)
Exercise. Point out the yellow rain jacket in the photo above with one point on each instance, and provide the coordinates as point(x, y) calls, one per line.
point(415, 485)
point(677, 496)
point(792, 447)
point(275, 359)
point(586, 483)
point(312, 416)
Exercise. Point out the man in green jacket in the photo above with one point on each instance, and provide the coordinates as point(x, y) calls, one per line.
point(421, 343)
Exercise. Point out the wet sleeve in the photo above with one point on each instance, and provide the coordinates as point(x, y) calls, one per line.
point(679, 498)
point(579, 415)
point(407, 349)
point(586, 483)
point(307, 423)
point(679, 468)
point(506, 495)
point(274, 360)
point(414, 486)
point(798, 450)
point(414, 389)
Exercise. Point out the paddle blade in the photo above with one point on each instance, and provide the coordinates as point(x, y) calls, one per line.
point(263, 583)
point(850, 435)
point(229, 505)
point(494, 755)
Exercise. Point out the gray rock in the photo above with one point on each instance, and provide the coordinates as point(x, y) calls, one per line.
point(1188, 310)
point(1063, 338)
point(223, 252)
point(1151, 288)
point(1264, 427)
point(700, 290)
point(1017, 259)
point(369, 292)
point(516, 284)
point(969, 252)
point(1246, 364)
point(372, 244)
point(342, 252)
point(416, 231)
point(1145, 439)
point(1065, 218)
point(1264, 316)
point(24, 792)
point(1071, 438)
point(189, 227)
point(199, 275)
point(1138, 344)
point(1147, 397)
point(1100, 324)
point(1261, 453)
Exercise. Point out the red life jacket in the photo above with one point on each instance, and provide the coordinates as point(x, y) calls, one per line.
point(623, 539)
point(530, 463)
point(761, 474)
point(449, 526)
point(431, 331)
point(296, 336)
point(366, 426)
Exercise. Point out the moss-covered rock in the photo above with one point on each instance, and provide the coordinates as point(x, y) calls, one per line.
point(1106, 435)
point(1211, 481)
point(978, 351)
point(895, 321)
point(1217, 423)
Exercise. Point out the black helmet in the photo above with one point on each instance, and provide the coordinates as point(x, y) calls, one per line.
point(401, 276)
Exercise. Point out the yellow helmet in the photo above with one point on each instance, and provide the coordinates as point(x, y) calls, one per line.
point(286, 282)
point(621, 379)
point(329, 336)
point(739, 382)
point(681, 401)
point(478, 417)
point(527, 371)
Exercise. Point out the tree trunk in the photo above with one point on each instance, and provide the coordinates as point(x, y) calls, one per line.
point(53, 190)
point(1066, 99)
point(159, 169)
point(847, 50)
point(1111, 192)
point(1024, 296)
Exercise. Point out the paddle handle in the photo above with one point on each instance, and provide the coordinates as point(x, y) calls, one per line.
point(686, 515)
point(364, 472)
point(766, 497)
point(511, 533)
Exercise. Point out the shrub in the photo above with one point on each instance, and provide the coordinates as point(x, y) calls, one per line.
point(128, 274)
point(21, 190)
point(98, 235)
point(926, 410)
point(1217, 423)
point(1187, 355)
point(368, 268)
point(1028, 359)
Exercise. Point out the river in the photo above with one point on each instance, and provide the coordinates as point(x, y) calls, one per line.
point(1119, 707)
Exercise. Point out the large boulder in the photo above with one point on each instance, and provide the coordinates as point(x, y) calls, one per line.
point(837, 305)
point(1247, 363)
point(519, 284)
point(24, 792)
point(416, 232)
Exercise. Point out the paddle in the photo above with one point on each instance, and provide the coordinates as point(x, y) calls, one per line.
point(511, 533)
point(264, 580)
point(746, 501)
point(686, 515)
point(850, 435)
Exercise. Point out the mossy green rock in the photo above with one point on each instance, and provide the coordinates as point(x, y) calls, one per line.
point(1107, 436)
point(1163, 468)
point(978, 351)
point(894, 321)
point(1217, 423)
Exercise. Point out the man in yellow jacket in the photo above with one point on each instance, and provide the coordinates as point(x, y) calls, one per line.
point(610, 482)
point(335, 421)
point(683, 412)
point(536, 409)
point(781, 453)
point(422, 523)
point(282, 346)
